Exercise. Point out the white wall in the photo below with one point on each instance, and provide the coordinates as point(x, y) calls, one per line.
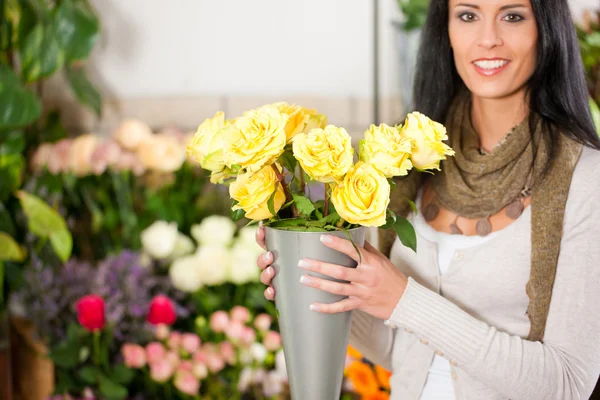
point(178, 61)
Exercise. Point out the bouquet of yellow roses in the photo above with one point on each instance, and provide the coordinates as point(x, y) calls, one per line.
point(268, 155)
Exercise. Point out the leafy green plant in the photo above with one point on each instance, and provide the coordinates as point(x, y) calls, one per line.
point(415, 13)
point(38, 38)
point(588, 33)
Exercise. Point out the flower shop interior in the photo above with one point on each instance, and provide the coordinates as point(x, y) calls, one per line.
point(124, 272)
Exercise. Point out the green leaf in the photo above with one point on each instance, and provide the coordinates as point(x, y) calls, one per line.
point(20, 107)
point(10, 249)
point(353, 245)
point(53, 129)
point(41, 54)
point(286, 222)
point(288, 161)
point(236, 215)
point(84, 90)
point(77, 29)
point(65, 356)
point(43, 219)
point(271, 202)
point(112, 390)
point(406, 233)
point(13, 142)
point(333, 218)
point(89, 374)
point(123, 375)
point(62, 243)
point(391, 219)
point(11, 174)
point(303, 205)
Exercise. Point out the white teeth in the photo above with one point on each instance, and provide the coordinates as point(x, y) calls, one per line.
point(490, 64)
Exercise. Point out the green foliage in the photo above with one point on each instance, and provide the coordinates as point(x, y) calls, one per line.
point(415, 13)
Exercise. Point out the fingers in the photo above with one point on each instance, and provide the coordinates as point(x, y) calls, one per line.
point(270, 293)
point(344, 246)
point(267, 275)
point(337, 307)
point(264, 260)
point(343, 289)
point(371, 249)
point(260, 237)
point(333, 270)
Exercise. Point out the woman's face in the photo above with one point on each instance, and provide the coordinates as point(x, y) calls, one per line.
point(494, 45)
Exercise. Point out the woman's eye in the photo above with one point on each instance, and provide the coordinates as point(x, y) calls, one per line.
point(467, 17)
point(513, 18)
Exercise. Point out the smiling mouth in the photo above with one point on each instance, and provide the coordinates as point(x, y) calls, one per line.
point(490, 64)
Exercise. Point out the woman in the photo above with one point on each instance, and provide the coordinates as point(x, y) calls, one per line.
point(501, 300)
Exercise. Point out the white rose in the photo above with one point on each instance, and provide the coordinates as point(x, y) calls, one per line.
point(272, 385)
point(131, 133)
point(214, 230)
point(185, 274)
point(243, 263)
point(245, 379)
point(159, 239)
point(247, 235)
point(258, 351)
point(183, 246)
point(215, 262)
point(246, 358)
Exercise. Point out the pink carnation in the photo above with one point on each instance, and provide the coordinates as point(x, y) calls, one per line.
point(134, 355)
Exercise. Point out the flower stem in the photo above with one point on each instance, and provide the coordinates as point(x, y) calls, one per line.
point(326, 211)
point(302, 182)
point(288, 195)
point(96, 335)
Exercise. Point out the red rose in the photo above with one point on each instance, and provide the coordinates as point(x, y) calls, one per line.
point(162, 311)
point(90, 312)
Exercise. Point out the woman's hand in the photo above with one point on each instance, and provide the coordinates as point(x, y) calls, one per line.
point(375, 286)
point(264, 263)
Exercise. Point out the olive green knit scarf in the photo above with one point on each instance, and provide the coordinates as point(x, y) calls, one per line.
point(476, 185)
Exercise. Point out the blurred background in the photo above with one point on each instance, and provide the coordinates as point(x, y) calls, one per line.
point(122, 272)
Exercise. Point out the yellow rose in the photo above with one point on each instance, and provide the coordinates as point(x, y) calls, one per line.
point(363, 196)
point(387, 150)
point(224, 175)
point(256, 139)
point(252, 192)
point(427, 137)
point(300, 119)
point(324, 154)
point(207, 145)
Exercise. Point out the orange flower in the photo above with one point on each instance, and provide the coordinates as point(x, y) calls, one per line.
point(376, 396)
point(383, 376)
point(352, 352)
point(363, 378)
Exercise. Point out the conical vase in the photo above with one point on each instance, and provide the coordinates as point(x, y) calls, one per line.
point(314, 343)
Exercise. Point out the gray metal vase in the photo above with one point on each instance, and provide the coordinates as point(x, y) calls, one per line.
point(314, 344)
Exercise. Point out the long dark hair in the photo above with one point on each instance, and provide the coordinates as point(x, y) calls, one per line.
point(557, 90)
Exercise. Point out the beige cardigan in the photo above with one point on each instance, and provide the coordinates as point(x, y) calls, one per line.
point(475, 315)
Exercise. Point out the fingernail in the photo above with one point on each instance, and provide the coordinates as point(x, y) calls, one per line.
point(326, 239)
point(270, 271)
point(260, 224)
point(304, 263)
point(305, 279)
point(267, 256)
point(315, 307)
point(270, 291)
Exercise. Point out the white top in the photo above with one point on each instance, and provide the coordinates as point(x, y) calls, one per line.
point(439, 380)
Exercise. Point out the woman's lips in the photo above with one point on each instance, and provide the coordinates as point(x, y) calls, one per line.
point(490, 67)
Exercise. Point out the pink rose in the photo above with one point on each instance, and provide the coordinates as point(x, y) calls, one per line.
point(227, 351)
point(134, 355)
point(187, 383)
point(262, 322)
point(162, 153)
point(105, 155)
point(248, 336)
point(239, 313)
point(173, 358)
point(80, 154)
point(58, 161)
point(185, 366)
point(155, 352)
point(200, 356)
point(219, 321)
point(132, 133)
point(161, 371)
point(161, 332)
point(234, 330)
point(214, 362)
point(199, 370)
point(190, 342)
point(272, 341)
point(174, 340)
